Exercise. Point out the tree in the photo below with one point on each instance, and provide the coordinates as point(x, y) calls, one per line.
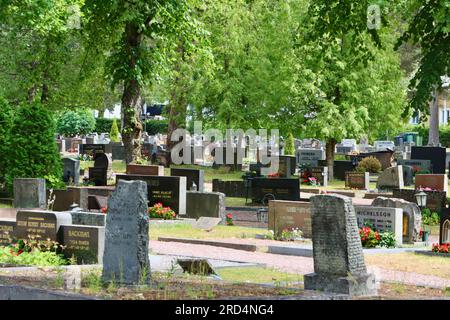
point(136, 34)
point(290, 145)
point(71, 123)
point(114, 134)
point(32, 150)
point(429, 27)
point(6, 117)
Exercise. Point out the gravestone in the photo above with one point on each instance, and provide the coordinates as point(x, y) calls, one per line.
point(340, 167)
point(170, 191)
point(83, 218)
point(309, 156)
point(436, 200)
point(71, 171)
point(437, 182)
point(265, 189)
point(444, 230)
point(192, 176)
point(288, 215)
point(205, 204)
point(92, 149)
point(321, 175)
point(286, 166)
point(98, 176)
point(436, 155)
point(40, 224)
point(337, 250)
point(147, 170)
point(206, 223)
point(84, 243)
point(383, 219)
point(391, 178)
point(357, 180)
point(29, 193)
point(384, 145)
point(412, 217)
point(417, 165)
point(236, 189)
point(117, 151)
point(408, 175)
point(126, 260)
point(7, 227)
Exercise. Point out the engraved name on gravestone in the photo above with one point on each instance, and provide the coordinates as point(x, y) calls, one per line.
point(29, 193)
point(125, 258)
point(338, 257)
point(84, 243)
point(6, 231)
point(40, 224)
point(382, 219)
point(357, 180)
point(290, 214)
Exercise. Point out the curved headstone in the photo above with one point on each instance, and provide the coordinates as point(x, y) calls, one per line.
point(391, 178)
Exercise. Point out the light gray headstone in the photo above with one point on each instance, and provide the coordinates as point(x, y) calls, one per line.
point(391, 178)
point(126, 259)
point(338, 257)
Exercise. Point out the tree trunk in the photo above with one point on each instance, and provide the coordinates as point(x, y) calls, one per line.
point(331, 144)
point(132, 99)
point(433, 135)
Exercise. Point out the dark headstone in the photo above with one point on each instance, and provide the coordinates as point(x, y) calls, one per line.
point(338, 257)
point(265, 189)
point(237, 189)
point(321, 175)
point(98, 175)
point(418, 165)
point(286, 166)
point(84, 243)
point(192, 175)
point(40, 224)
point(340, 168)
point(125, 259)
point(117, 151)
point(91, 149)
point(309, 157)
point(196, 266)
point(205, 204)
point(408, 175)
point(88, 218)
point(436, 155)
point(71, 171)
point(170, 191)
point(29, 193)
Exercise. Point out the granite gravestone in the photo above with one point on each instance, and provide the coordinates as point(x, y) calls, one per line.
point(40, 224)
point(92, 149)
point(205, 204)
point(7, 227)
point(286, 166)
point(412, 217)
point(320, 174)
point(408, 175)
point(437, 182)
point(71, 173)
point(170, 191)
point(382, 219)
point(338, 257)
point(417, 165)
point(436, 155)
point(391, 178)
point(101, 170)
point(340, 167)
point(192, 175)
point(206, 223)
point(117, 151)
point(288, 215)
point(265, 189)
point(84, 243)
point(126, 260)
point(309, 156)
point(146, 170)
point(29, 193)
point(357, 180)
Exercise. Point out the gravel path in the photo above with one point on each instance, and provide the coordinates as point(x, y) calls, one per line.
point(291, 264)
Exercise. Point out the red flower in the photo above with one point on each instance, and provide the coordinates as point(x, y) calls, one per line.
point(104, 210)
point(19, 252)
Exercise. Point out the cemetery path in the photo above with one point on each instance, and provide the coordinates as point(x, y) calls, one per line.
point(291, 264)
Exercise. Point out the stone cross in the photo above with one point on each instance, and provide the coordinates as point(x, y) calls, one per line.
point(126, 259)
point(338, 257)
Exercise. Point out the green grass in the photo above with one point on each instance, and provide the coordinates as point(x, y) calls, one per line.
point(187, 231)
point(258, 275)
point(210, 173)
point(4, 206)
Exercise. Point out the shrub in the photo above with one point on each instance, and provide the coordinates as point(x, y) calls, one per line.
point(440, 248)
point(387, 240)
point(103, 125)
point(6, 115)
point(114, 134)
point(32, 151)
point(153, 127)
point(72, 123)
point(289, 148)
point(160, 212)
point(430, 218)
point(369, 164)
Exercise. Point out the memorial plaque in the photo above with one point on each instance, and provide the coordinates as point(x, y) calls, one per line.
point(147, 170)
point(437, 182)
point(205, 204)
point(192, 175)
point(357, 180)
point(417, 165)
point(6, 231)
point(29, 193)
point(91, 149)
point(288, 215)
point(265, 189)
point(40, 224)
point(207, 223)
point(309, 156)
point(71, 170)
point(321, 175)
point(84, 243)
point(170, 191)
point(382, 219)
point(286, 166)
point(125, 259)
point(98, 175)
point(436, 155)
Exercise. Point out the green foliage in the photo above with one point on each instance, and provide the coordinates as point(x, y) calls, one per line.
point(430, 218)
point(78, 122)
point(6, 117)
point(33, 258)
point(153, 127)
point(32, 150)
point(369, 164)
point(289, 148)
point(103, 125)
point(114, 134)
point(387, 240)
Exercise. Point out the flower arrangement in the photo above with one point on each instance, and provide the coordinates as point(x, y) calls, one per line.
point(443, 248)
point(312, 181)
point(291, 234)
point(371, 238)
point(158, 211)
point(104, 210)
point(229, 219)
point(274, 175)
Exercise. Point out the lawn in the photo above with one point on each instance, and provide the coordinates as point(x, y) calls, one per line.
point(4, 206)
point(410, 262)
point(258, 275)
point(187, 231)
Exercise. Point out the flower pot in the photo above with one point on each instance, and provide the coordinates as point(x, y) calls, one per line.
point(425, 236)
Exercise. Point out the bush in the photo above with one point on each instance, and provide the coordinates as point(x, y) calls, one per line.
point(6, 115)
point(153, 127)
point(289, 148)
point(369, 237)
point(114, 134)
point(78, 122)
point(387, 240)
point(430, 218)
point(369, 164)
point(32, 151)
point(160, 212)
point(103, 125)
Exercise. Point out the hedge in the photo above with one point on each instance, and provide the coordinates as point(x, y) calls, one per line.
point(152, 126)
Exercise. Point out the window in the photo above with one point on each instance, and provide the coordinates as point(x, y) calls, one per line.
point(446, 232)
